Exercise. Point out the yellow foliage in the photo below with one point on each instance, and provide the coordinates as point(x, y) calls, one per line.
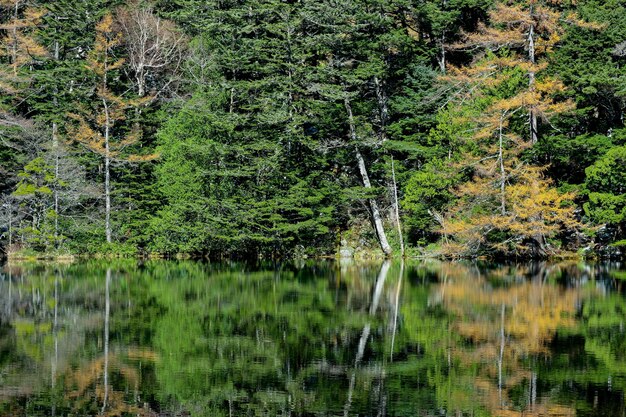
point(18, 45)
point(98, 130)
point(534, 211)
point(505, 197)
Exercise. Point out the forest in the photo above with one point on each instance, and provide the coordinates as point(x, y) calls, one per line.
point(290, 128)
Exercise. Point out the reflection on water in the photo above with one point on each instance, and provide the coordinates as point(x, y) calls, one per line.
point(169, 338)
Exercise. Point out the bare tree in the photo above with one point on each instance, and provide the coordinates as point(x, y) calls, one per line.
point(154, 46)
point(9, 216)
point(377, 218)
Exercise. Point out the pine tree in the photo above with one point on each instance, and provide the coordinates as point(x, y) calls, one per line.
point(606, 191)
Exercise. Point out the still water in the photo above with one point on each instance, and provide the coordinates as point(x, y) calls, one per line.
point(167, 338)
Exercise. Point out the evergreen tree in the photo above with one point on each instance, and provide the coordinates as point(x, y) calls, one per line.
point(257, 179)
point(607, 192)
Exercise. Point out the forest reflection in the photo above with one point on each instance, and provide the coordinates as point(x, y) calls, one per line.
point(312, 338)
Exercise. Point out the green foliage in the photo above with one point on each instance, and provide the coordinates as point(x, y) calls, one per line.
point(257, 154)
point(216, 203)
point(427, 192)
point(35, 196)
point(606, 188)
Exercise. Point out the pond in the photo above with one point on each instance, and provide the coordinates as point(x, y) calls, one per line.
point(312, 338)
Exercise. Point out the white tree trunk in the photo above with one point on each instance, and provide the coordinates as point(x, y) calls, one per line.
point(502, 171)
point(397, 207)
point(532, 114)
point(107, 175)
point(55, 147)
point(376, 217)
point(383, 108)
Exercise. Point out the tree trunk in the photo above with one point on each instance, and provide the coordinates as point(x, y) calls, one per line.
point(14, 50)
point(502, 171)
point(382, 108)
point(231, 106)
point(397, 208)
point(441, 58)
point(107, 175)
point(534, 134)
point(55, 147)
point(141, 81)
point(10, 208)
point(376, 217)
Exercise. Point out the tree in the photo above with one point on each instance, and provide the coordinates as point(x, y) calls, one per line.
point(350, 62)
point(590, 63)
point(532, 29)
point(239, 159)
point(19, 49)
point(100, 132)
point(606, 190)
point(35, 197)
point(57, 83)
point(428, 191)
point(507, 204)
point(154, 46)
point(18, 44)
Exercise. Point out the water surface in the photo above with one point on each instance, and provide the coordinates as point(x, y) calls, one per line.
point(168, 338)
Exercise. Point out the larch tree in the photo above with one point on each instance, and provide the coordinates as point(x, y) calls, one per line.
point(100, 128)
point(18, 45)
point(19, 51)
point(493, 212)
point(58, 81)
point(506, 206)
point(530, 29)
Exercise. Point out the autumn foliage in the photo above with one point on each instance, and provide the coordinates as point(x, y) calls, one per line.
point(507, 206)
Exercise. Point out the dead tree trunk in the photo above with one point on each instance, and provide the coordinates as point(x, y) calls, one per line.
point(397, 208)
point(376, 216)
point(532, 114)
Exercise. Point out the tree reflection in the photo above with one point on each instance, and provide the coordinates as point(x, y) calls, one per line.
point(314, 338)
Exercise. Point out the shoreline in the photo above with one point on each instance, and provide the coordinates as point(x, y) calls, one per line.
point(357, 257)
